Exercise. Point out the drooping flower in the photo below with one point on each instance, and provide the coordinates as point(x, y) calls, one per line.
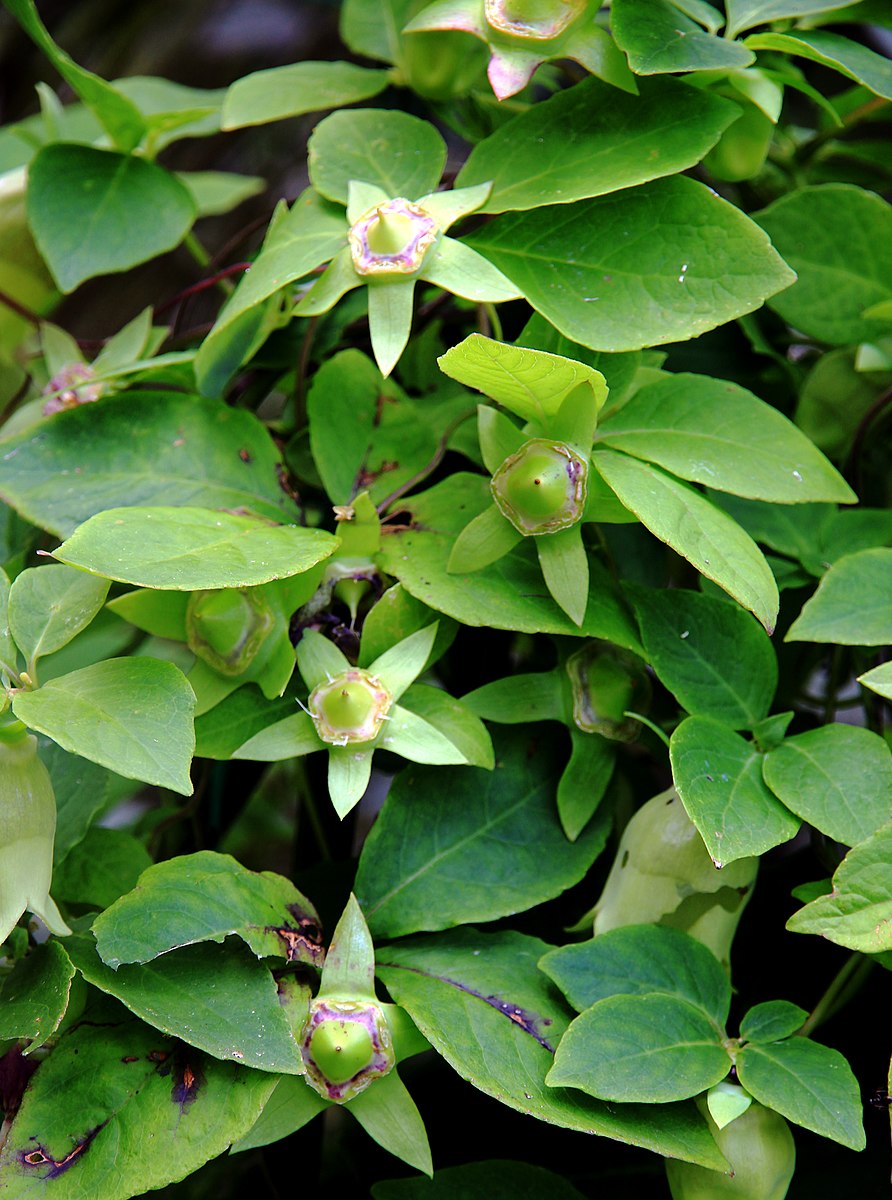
point(392, 244)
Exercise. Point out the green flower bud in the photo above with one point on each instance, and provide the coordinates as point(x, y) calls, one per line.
point(542, 488)
point(345, 1045)
point(227, 627)
point(350, 708)
point(606, 681)
point(391, 239)
point(759, 1147)
point(27, 829)
point(538, 19)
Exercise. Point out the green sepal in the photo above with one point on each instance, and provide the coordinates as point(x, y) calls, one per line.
point(518, 699)
point(390, 320)
point(584, 781)
point(360, 533)
point(564, 564)
point(290, 738)
point(362, 196)
point(399, 667)
point(349, 769)
point(390, 1117)
point(318, 659)
point(457, 268)
point(485, 540)
point(499, 437)
point(577, 418)
point(336, 281)
point(349, 971)
point(448, 207)
point(414, 738)
point(726, 1102)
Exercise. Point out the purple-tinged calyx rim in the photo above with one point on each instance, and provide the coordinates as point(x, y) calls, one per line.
point(568, 473)
point(515, 17)
point(392, 238)
point(333, 1019)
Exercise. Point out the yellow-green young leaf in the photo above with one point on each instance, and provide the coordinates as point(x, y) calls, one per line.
point(698, 530)
point(711, 431)
point(133, 715)
point(298, 88)
point(858, 912)
point(639, 267)
point(531, 383)
point(95, 212)
point(141, 1087)
point(49, 605)
point(719, 778)
point(188, 549)
point(531, 163)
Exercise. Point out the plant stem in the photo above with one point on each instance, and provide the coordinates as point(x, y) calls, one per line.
point(203, 258)
point(843, 986)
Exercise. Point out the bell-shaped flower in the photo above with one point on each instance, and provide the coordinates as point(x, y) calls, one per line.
point(27, 829)
point(521, 34)
point(353, 711)
point(394, 243)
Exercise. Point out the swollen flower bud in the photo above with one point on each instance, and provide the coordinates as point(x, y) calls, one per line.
point(350, 708)
point(759, 1147)
point(74, 387)
point(540, 19)
point(345, 1045)
point(392, 238)
point(227, 627)
point(542, 488)
point(605, 682)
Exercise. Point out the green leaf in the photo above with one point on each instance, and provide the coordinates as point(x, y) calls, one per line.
point(162, 614)
point(49, 605)
point(838, 778)
point(517, 699)
point(530, 383)
point(482, 542)
point(851, 605)
point(858, 911)
point(637, 268)
point(838, 239)
point(713, 432)
point(459, 845)
point(104, 865)
point(653, 1049)
point(311, 232)
point(696, 529)
point(772, 1021)
point(342, 408)
point(34, 995)
point(719, 778)
point(879, 680)
point(637, 960)
point(455, 721)
point(305, 87)
point(208, 897)
point(418, 740)
point(394, 617)
point(113, 211)
point(709, 653)
point(140, 1089)
point(744, 14)
point(143, 448)
point(657, 37)
point(187, 549)
point(293, 736)
point(582, 786)
point(809, 1084)
point(390, 1117)
point(83, 789)
point(217, 998)
point(531, 162)
point(234, 721)
point(133, 715)
point(510, 594)
point(218, 192)
point(120, 118)
point(482, 1003)
point(8, 657)
point(401, 154)
point(830, 49)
